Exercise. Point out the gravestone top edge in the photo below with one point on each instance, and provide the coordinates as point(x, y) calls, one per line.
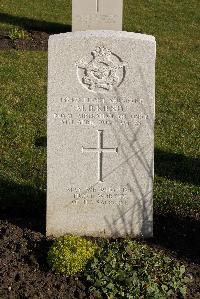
point(103, 33)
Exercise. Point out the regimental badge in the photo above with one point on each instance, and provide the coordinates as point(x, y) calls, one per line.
point(104, 72)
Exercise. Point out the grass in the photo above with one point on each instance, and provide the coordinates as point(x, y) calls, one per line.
point(23, 110)
point(39, 15)
point(23, 121)
point(23, 78)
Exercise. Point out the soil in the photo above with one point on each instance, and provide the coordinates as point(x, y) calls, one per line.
point(24, 272)
point(35, 40)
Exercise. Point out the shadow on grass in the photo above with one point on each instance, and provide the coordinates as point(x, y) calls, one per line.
point(177, 167)
point(180, 235)
point(41, 141)
point(23, 205)
point(31, 24)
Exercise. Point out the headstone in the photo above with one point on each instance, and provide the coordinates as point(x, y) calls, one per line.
point(101, 89)
point(97, 15)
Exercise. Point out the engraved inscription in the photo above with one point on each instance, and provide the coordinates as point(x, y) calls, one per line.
point(100, 150)
point(101, 111)
point(88, 20)
point(100, 195)
point(124, 100)
point(97, 6)
point(100, 202)
point(103, 72)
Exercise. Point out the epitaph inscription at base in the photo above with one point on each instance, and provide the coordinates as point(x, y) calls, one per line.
point(101, 90)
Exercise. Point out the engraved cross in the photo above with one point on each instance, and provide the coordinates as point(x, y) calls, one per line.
point(100, 150)
point(97, 6)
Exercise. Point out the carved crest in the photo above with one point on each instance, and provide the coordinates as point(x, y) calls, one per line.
point(103, 72)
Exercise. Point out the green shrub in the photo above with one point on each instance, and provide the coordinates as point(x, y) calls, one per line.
point(69, 254)
point(127, 269)
point(18, 33)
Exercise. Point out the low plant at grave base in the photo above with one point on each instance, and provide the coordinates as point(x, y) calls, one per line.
point(127, 269)
point(18, 33)
point(70, 254)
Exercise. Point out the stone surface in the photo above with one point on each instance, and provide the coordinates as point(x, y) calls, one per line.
point(97, 15)
point(100, 134)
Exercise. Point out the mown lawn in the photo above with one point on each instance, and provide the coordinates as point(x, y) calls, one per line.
point(46, 15)
point(175, 24)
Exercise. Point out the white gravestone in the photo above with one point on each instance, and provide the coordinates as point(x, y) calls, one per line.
point(97, 15)
point(100, 134)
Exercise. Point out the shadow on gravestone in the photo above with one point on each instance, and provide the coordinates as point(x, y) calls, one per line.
point(32, 24)
point(143, 205)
